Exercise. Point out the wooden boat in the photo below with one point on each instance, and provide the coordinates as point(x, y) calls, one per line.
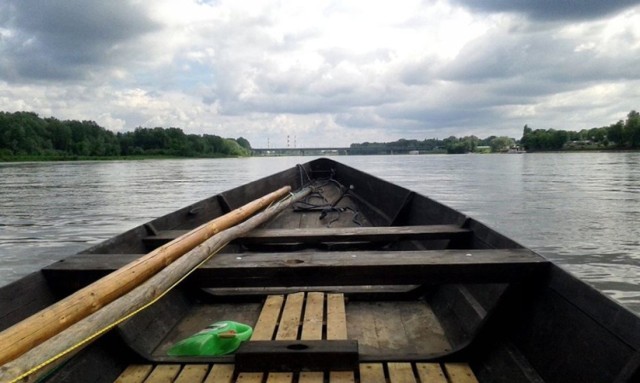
point(360, 281)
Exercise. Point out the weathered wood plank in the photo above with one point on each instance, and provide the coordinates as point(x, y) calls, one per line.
point(339, 234)
point(430, 372)
point(264, 330)
point(401, 373)
point(343, 268)
point(250, 377)
point(337, 329)
point(355, 234)
point(341, 377)
point(280, 377)
point(336, 317)
point(135, 373)
point(290, 321)
point(372, 373)
point(268, 319)
point(220, 373)
point(313, 316)
point(311, 377)
point(297, 355)
point(288, 330)
point(370, 268)
point(163, 373)
point(460, 373)
point(192, 373)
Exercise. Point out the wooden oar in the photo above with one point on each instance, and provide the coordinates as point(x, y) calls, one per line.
point(32, 331)
point(26, 367)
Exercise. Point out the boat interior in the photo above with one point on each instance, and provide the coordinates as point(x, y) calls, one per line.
point(361, 281)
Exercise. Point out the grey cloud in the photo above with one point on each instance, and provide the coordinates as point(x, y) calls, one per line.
point(62, 39)
point(552, 10)
point(543, 60)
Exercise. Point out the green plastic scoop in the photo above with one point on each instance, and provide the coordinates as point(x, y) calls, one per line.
point(218, 338)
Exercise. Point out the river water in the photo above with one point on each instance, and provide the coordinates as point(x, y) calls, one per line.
point(581, 210)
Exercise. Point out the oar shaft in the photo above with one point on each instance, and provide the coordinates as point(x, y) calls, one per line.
point(156, 286)
point(32, 331)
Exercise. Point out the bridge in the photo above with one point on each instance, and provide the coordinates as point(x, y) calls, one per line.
point(299, 151)
point(333, 151)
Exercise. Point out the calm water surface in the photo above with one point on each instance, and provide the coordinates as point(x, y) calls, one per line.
point(579, 209)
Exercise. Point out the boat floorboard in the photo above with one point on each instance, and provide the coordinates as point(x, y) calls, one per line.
point(316, 316)
point(383, 328)
point(365, 373)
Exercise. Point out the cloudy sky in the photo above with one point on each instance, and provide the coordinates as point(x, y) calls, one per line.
point(324, 73)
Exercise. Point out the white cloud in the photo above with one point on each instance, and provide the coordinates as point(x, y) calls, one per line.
point(326, 72)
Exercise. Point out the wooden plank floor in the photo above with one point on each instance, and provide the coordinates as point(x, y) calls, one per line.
point(301, 316)
point(367, 373)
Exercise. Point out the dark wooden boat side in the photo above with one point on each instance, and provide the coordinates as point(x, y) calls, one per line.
point(504, 310)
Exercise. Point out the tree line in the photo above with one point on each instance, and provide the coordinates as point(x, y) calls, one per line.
point(451, 145)
point(25, 134)
point(618, 136)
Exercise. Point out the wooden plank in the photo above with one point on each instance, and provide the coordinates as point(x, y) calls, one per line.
point(297, 355)
point(134, 373)
point(163, 373)
point(268, 319)
point(288, 330)
point(401, 373)
point(264, 330)
point(373, 373)
point(192, 373)
point(345, 268)
point(430, 372)
point(355, 234)
point(333, 234)
point(341, 377)
point(336, 317)
point(337, 329)
point(220, 373)
point(370, 268)
point(311, 377)
point(290, 321)
point(313, 316)
point(460, 373)
point(250, 377)
point(280, 377)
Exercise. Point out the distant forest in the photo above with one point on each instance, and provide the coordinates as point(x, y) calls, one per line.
point(622, 135)
point(451, 145)
point(26, 135)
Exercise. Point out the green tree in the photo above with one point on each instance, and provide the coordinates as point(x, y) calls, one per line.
point(501, 144)
point(615, 134)
point(632, 129)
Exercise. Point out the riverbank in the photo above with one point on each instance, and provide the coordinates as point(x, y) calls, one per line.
point(105, 158)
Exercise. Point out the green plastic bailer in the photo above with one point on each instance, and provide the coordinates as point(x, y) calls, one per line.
point(218, 338)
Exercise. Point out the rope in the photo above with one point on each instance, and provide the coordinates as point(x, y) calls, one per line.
point(105, 329)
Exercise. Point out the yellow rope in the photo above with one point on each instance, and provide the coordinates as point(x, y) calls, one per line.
point(133, 313)
point(112, 325)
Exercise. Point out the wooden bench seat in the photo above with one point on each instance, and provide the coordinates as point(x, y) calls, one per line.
point(338, 234)
point(328, 268)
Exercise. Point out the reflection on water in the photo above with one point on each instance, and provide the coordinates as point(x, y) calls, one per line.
point(581, 210)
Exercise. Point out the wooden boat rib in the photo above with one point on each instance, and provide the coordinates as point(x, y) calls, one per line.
point(362, 281)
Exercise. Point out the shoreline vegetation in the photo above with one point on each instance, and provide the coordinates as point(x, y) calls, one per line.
point(24, 136)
